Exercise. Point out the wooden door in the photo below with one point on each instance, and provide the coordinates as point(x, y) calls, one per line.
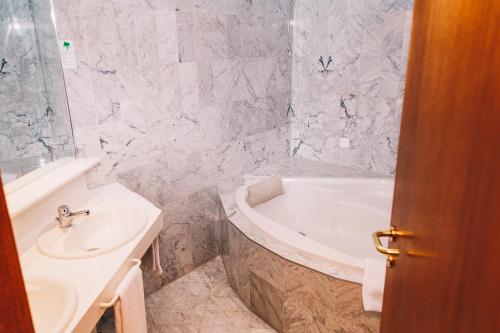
point(447, 194)
point(14, 309)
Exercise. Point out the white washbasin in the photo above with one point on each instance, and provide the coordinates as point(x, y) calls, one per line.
point(52, 303)
point(108, 227)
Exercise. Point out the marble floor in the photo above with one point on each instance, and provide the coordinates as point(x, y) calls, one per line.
point(202, 302)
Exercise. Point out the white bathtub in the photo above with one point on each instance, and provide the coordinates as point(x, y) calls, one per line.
point(328, 217)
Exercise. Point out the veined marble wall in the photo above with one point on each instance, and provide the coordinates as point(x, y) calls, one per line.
point(175, 97)
point(34, 117)
point(24, 125)
point(349, 64)
point(289, 297)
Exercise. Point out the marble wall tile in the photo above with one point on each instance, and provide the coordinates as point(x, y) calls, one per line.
point(169, 89)
point(253, 28)
point(349, 313)
point(126, 35)
point(153, 94)
point(234, 36)
point(210, 34)
point(254, 274)
point(366, 42)
point(206, 83)
point(79, 88)
point(184, 5)
point(278, 30)
point(189, 104)
point(251, 79)
point(279, 105)
point(176, 250)
point(106, 100)
point(255, 116)
point(237, 247)
point(371, 123)
point(381, 61)
point(100, 30)
point(167, 43)
point(138, 99)
point(288, 296)
point(309, 300)
point(210, 6)
point(206, 222)
point(266, 301)
point(380, 77)
point(267, 266)
point(279, 75)
point(282, 9)
point(81, 98)
point(147, 47)
point(223, 85)
point(185, 33)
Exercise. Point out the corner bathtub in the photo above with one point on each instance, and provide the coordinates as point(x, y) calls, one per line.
point(332, 218)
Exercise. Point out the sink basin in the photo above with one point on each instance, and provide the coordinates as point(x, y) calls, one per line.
point(52, 302)
point(108, 227)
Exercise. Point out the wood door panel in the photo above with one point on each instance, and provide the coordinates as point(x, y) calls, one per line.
point(448, 180)
point(14, 309)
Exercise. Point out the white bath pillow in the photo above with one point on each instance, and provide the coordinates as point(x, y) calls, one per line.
point(264, 191)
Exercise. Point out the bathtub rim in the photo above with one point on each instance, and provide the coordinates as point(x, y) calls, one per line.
point(338, 264)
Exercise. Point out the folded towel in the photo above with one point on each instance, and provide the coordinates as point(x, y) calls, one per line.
point(152, 257)
point(264, 191)
point(373, 284)
point(130, 311)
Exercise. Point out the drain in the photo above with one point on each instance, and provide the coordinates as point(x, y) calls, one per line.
point(92, 249)
point(303, 234)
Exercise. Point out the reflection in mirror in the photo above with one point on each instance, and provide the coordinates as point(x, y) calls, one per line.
point(35, 126)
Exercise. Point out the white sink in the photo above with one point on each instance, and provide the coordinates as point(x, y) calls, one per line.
point(52, 303)
point(108, 227)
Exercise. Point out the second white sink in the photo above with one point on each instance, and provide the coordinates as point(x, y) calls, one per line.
point(52, 303)
point(108, 227)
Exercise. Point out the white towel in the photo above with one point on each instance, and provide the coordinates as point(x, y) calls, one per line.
point(373, 284)
point(130, 311)
point(152, 257)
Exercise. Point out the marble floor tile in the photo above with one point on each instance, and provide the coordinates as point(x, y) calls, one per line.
point(201, 302)
point(231, 319)
point(225, 303)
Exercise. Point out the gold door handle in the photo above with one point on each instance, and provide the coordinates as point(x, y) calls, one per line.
point(391, 254)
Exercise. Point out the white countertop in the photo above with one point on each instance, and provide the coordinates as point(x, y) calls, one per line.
point(96, 278)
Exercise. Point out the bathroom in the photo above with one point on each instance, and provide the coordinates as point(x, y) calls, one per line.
point(249, 166)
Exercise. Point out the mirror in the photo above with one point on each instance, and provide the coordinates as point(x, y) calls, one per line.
point(35, 125)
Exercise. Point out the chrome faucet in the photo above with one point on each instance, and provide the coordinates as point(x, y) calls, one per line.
point(65, 216)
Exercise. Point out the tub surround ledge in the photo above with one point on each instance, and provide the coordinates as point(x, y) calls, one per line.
point(290, 167)
point(291, 290)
